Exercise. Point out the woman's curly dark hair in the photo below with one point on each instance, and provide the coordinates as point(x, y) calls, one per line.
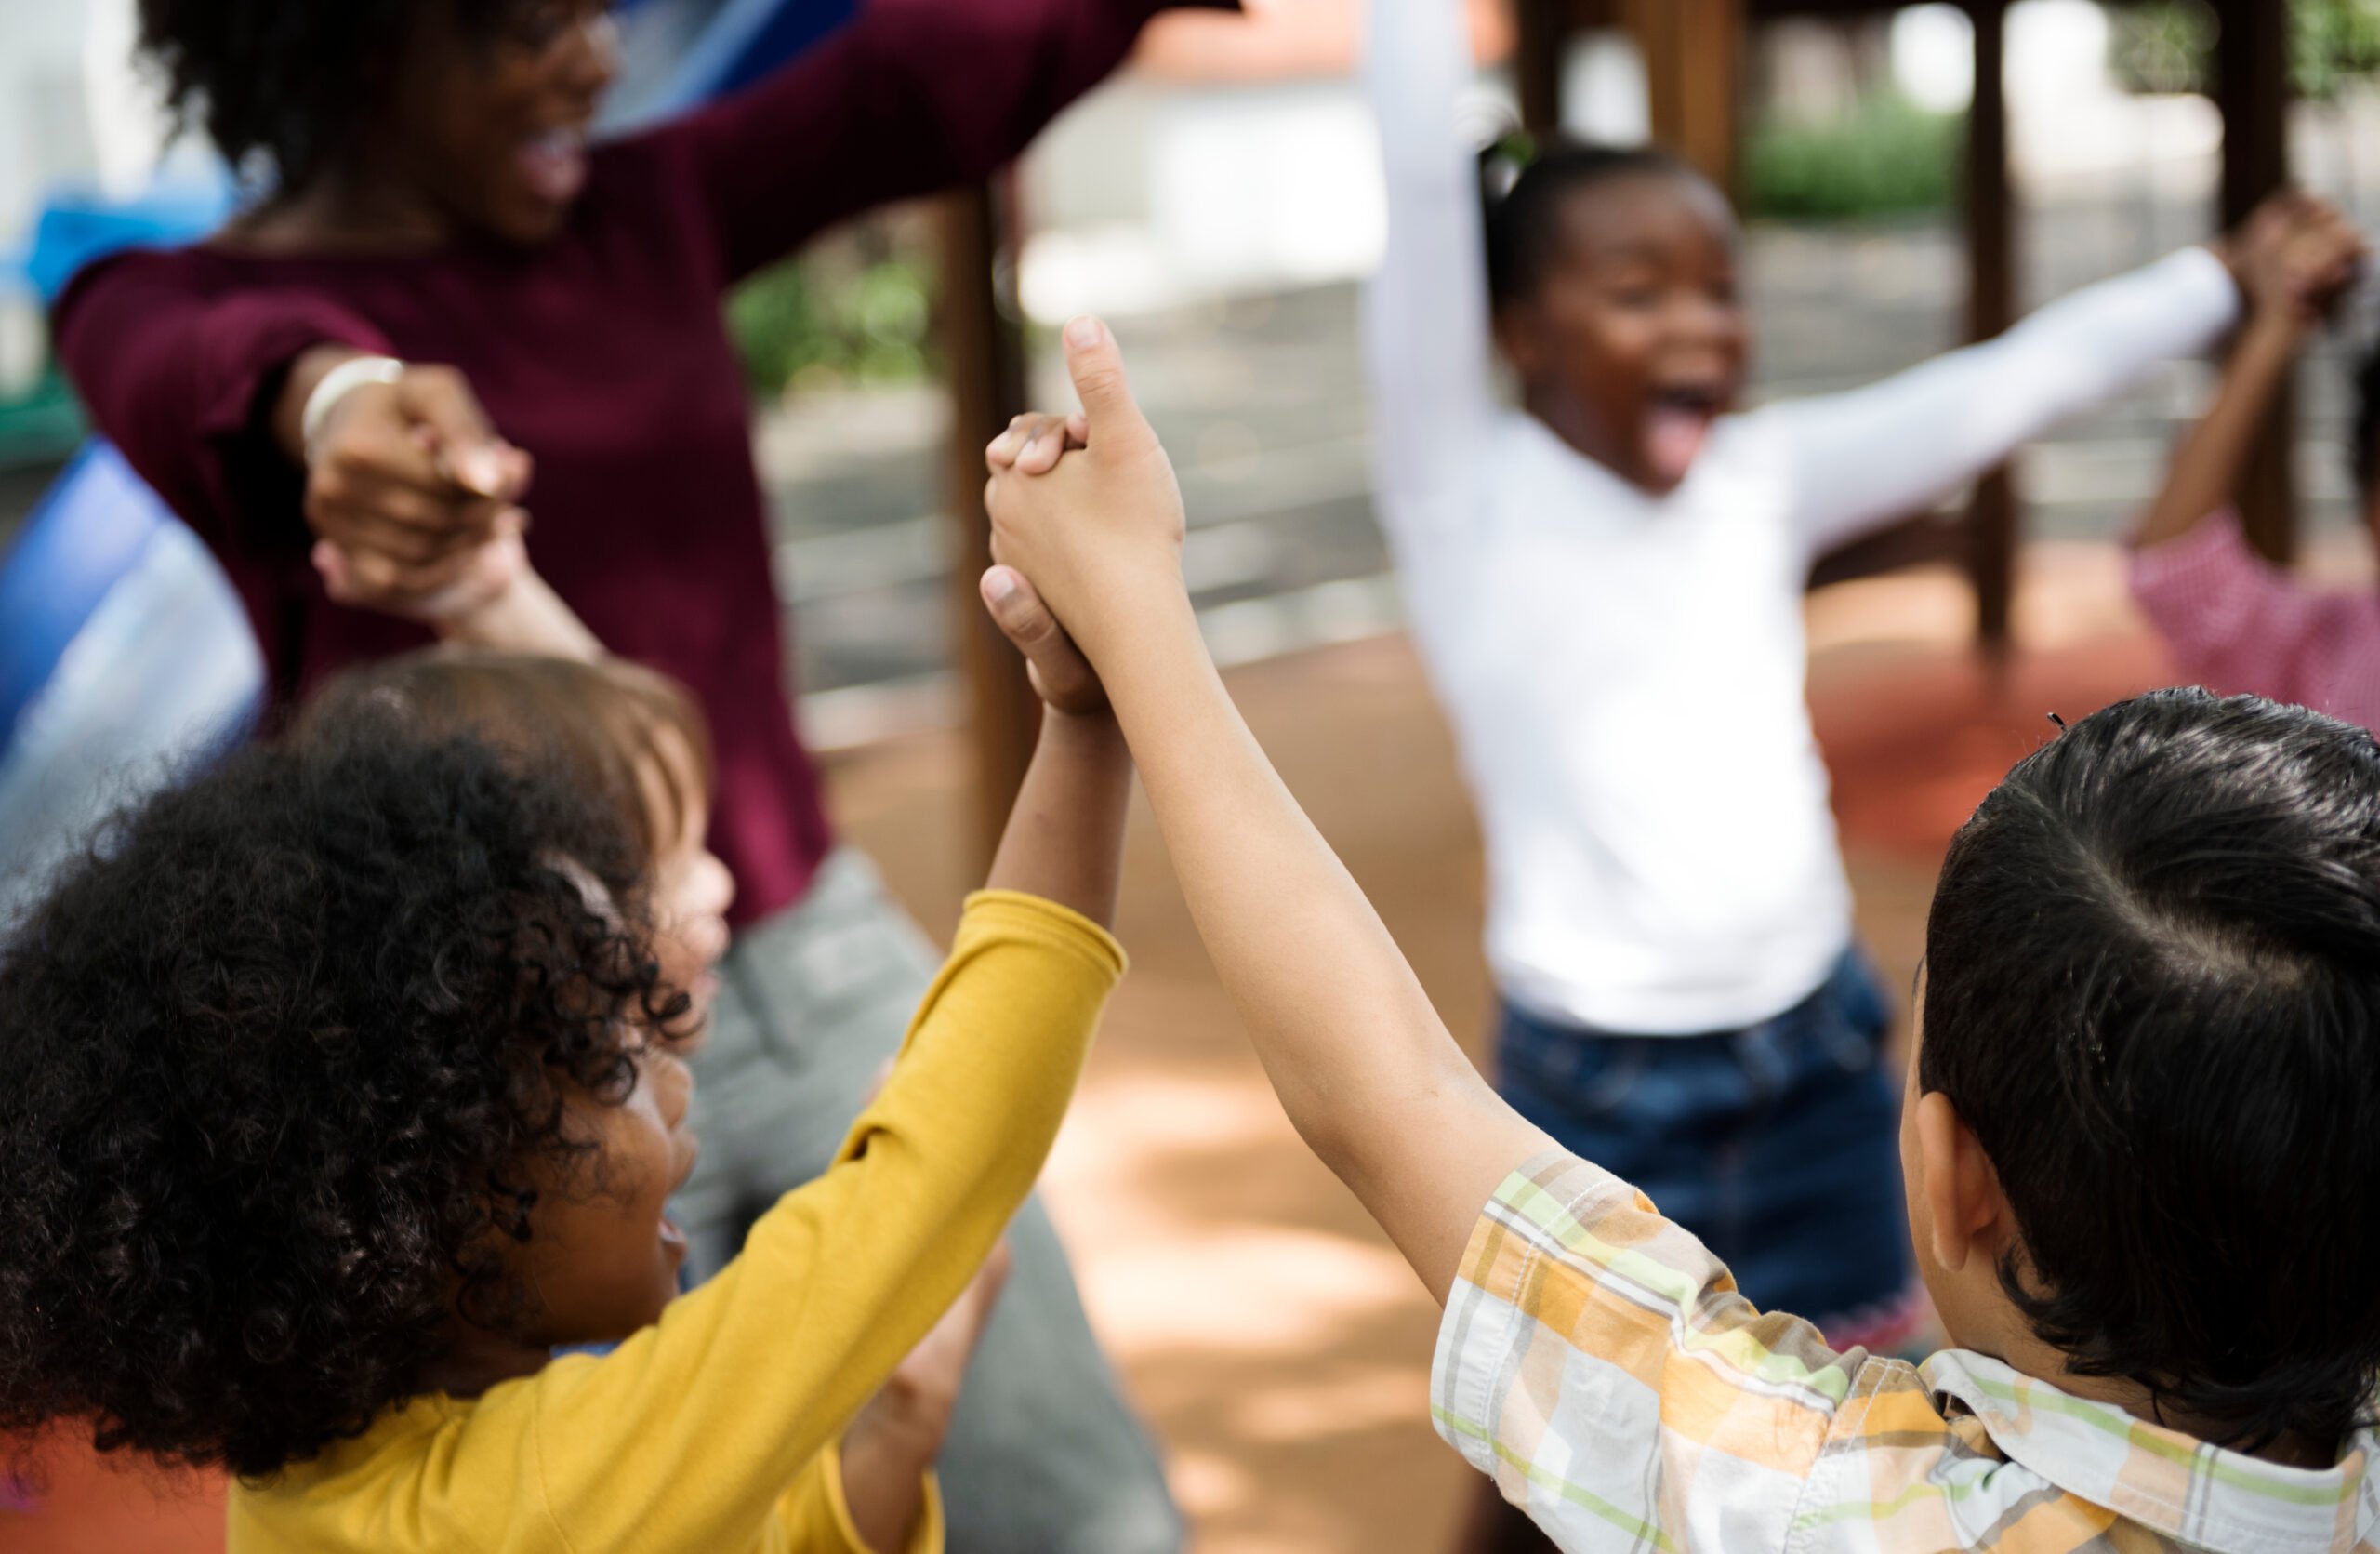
point(290, 83)
point(283, 1046)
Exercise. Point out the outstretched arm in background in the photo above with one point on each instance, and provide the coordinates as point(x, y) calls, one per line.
point(1893, 448)
point(1364, 1067)
point(1426, 322)
point(2294, 258)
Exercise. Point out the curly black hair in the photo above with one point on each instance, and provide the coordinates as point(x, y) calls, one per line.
point(284, 1045)
point(289, 84)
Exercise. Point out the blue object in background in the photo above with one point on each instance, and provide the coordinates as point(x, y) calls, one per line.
point(678, 54)
point(88, 532)
point(76, 228)
point(126, 658)
point(749, 38)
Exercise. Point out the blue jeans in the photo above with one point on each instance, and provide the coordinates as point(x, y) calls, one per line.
point(1777, 1144)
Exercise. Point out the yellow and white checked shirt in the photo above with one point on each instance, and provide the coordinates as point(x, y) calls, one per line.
point(1597, 1362)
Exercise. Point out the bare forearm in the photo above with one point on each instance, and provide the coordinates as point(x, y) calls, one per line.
point(2206, 467)
point(884, 1473)
point(528, 616)
point(1364, 1067)
point(1064, 839)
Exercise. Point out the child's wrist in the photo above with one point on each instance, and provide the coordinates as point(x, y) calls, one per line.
point(483, 622)
point(885, 1461)
point(1093, 733)
point(898, 1436)
point(2282, 325)
point(1129, 606)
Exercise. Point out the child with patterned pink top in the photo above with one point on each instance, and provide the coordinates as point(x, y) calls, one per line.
point(2233, 620)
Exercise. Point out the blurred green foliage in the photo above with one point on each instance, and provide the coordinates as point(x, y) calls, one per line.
point(860, 311)
point(1885, 157)
point(2169, 45)
point(2335, 43)
point(2164, 48)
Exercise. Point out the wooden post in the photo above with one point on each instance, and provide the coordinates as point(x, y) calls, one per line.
point(984, 353)
point(1540, 29)
point(1694, 53)
point(1991, 307)
point(2251, 88)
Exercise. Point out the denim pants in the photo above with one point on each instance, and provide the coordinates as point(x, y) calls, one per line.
point(1777, 1144)
point(1044, 1456)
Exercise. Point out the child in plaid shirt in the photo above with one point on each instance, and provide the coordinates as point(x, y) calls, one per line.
point(2136, 1131)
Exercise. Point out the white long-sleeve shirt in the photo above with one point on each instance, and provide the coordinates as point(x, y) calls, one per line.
point(1625, 672)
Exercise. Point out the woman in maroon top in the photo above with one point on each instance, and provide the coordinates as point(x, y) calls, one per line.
point(450, 314)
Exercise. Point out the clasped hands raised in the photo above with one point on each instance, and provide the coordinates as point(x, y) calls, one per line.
point(1087, 527)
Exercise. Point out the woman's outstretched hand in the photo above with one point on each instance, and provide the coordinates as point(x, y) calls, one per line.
point(406, 482)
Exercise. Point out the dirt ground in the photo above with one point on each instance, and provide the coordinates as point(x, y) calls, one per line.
point(1280, 1346)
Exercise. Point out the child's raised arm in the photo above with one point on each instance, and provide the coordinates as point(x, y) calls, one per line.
point(1362, 1063)
point(2293, 258)
point(1867, 455)
point(1425, 318)
point(1065, 836)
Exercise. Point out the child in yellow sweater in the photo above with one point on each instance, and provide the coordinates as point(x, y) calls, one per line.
point(354, 1091)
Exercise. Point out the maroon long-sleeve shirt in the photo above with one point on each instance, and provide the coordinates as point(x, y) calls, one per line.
point(603, 353)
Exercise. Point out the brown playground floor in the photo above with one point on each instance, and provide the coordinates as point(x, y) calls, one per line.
point(1278, 1345)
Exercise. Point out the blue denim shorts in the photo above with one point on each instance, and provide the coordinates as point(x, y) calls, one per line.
point(1777, 1144)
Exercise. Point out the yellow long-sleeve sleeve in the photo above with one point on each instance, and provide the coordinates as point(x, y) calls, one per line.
point(704, 1432)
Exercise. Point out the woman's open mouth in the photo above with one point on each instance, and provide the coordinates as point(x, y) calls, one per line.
point(553, 164)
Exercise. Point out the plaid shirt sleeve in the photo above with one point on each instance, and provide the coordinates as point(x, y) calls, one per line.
point(1597, 1361)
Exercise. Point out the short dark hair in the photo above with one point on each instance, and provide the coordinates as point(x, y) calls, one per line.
point(281, 1047)
point(289, 84)
point(2153, 992)
point(1524, 181)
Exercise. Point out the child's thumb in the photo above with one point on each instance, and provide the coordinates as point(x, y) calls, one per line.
point(1017, 609)
point(1100, 383)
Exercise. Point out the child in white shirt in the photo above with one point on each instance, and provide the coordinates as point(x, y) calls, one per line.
point(1606, 582)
